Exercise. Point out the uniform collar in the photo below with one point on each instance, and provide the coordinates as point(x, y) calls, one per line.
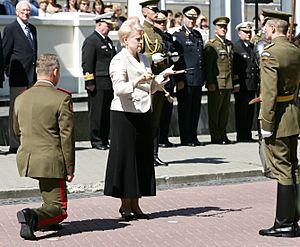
point(44, 83)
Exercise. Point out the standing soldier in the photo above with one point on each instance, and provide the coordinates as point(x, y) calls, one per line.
point(189, 44)
point(97, 52)
point(279, 119)
point(219, 75)
point(169, 56)
point(244, 65)
point(152, 44)
point(43, 118)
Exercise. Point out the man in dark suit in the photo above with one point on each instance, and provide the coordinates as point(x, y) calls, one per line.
point(20, 53)
point(246, 84)
point(97, 52)
point(189, 44)
point(43, 118)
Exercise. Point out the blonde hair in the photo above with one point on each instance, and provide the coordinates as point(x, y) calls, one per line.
point(129, 27)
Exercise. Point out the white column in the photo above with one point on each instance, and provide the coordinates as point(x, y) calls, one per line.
point(231, 9)
point(287, 7)
point(134, 9)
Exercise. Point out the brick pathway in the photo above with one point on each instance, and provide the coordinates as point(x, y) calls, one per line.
point(227, 215)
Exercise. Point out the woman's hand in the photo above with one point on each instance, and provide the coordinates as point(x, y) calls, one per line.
point(169, 71)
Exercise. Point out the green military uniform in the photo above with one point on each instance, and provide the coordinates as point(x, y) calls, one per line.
point(218, 57)
point(278, 113)
point(280, 121)
point(43, 119)
point(153, 43)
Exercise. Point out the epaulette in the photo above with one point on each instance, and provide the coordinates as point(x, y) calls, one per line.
point(268, 46)
point(212, 40)
point(64, 90)
point(88, 76)
point(196, 33)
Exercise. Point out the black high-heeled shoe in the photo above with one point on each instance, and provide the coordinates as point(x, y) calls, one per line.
point(127, 217)
point(141, 216)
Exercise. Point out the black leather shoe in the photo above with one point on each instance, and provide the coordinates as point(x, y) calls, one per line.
point(28, 220)
point(100, 146)
point(227, 141)
point(197, 143)
point(166, 144)
point(12, 150)
point(159, 162)
point(287, 231)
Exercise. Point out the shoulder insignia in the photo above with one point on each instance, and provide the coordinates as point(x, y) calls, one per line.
point(88, 76)
point(265, 54)
point(64, 90)
point(268, 46)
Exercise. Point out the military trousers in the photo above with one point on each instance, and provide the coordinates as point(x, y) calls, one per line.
point(281, 154)
point(218, 112)
point(99, 102)
point(54, 207)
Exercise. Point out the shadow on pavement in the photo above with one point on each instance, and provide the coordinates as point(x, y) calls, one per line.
point(76, 227)
point(198, 211)
point(208, 160)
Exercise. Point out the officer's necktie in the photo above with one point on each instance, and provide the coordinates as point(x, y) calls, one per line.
point(28, 33)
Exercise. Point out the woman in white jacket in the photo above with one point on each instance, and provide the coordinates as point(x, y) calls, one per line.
point(130, 170)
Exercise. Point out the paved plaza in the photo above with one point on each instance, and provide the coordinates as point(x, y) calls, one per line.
point(210, 213)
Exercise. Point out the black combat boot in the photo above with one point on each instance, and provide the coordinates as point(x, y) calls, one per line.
point(28, 220)
point(284, 225)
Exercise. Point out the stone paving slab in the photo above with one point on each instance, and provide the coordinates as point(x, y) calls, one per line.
point(222, 216)
point(186, 164)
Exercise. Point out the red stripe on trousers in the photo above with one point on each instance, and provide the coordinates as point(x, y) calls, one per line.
point(63, 198)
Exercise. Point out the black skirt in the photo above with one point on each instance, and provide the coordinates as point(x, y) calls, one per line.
point(130, 166)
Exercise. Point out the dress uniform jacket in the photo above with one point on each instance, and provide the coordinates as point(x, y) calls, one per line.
point(43, 117)
point(153, 43)
point(97, 53)
point(246, 69)
point(279, 65)
point(218, 63)
point(189, 44)
point(245, 66)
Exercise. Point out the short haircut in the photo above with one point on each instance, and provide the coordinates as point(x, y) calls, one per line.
point(46, 63)
point(281, 25)
point(127, 28)
point(23, 2)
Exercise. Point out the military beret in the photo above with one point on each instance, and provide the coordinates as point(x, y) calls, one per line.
point(244, 26)
point(274, 14)
point(162, 15)
point(148, 3)
point(191, 11)
point(106, 17)
point(222, 20)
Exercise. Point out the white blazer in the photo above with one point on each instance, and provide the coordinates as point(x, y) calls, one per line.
point(123, 70)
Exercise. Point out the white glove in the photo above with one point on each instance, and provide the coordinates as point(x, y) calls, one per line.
point(266, 134)
point(157, 57)
point(175, 57)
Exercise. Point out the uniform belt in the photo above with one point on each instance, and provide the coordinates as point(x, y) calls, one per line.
point(285, 98)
